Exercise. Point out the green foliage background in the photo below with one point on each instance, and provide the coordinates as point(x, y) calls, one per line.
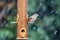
point(46, 27)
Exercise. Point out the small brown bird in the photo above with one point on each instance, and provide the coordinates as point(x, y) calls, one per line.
point(33, 18)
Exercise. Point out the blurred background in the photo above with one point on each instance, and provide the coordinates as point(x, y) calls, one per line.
point(46, 26)
point(8, 12)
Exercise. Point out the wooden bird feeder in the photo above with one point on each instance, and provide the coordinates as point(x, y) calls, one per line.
point(22, 20)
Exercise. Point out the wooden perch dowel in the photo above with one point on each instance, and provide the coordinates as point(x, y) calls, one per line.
point(22, 20)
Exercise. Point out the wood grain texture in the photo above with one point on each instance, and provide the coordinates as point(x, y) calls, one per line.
point(22, 30)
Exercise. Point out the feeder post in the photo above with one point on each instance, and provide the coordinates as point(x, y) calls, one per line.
point(22, 20)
